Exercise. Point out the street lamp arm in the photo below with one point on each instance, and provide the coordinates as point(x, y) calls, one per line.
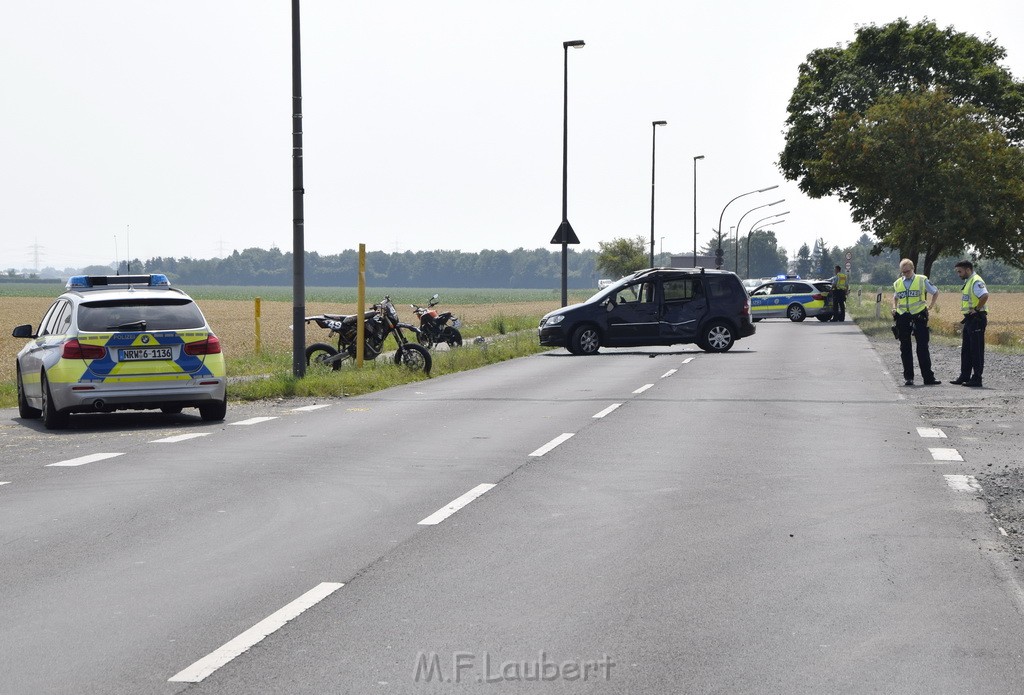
point(722, 216)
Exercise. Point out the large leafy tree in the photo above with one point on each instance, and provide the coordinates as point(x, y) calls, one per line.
point(876, 93)
point(621, 256)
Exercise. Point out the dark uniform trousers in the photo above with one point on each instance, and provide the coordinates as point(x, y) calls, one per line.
point(972, 346)
point(838, 305)
point(917, 325)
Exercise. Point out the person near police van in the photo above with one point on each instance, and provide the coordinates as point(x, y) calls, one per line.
point(840, 285)
point(973, 301)
point(910, 310)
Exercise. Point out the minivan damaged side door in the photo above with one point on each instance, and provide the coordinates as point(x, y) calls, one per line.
point(685, 303)
point(633, 317)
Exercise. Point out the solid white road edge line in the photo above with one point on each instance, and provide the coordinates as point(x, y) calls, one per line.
point(669, 373)
point(82, 460)
point(253, 421)
point(945, 455)
point(180, 438)
point(455, 505)
point(931, 432)
point(241, 644)
point(552, 444)
point(606, 411)
point(644, 388)
point(962, 483)
point(307, 408)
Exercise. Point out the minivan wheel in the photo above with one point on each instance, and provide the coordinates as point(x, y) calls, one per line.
point(717, 337)
point(586, 340)
point(796, 313)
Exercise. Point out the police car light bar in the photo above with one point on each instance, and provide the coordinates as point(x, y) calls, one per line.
point(85, 282)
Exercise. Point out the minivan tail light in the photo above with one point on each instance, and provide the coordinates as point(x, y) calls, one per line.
point(210, 346)
point(74, 350)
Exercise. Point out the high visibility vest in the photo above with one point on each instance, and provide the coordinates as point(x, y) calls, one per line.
point(912, 300)
point(842, 281)
point(968, 300)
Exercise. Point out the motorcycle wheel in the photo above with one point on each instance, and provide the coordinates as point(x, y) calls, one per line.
point(316, 354)
point(452, 337)
point(414, 357)
point(424, 339)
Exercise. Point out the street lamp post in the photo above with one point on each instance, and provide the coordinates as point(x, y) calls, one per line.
point(754, 227)
point(654, 135)
point(718, 253)
point(699, 156)
point(565, 234)
point(766, 205)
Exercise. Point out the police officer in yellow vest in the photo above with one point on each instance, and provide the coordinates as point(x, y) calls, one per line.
point(840, 284)
point(973, 301)
point(910, 309)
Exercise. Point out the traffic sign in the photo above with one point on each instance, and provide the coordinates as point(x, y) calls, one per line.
point(849, 256)
point(848, 264)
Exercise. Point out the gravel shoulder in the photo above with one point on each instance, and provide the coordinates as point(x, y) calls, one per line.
point(985, 425)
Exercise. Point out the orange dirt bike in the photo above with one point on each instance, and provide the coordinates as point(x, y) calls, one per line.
point(434, 326)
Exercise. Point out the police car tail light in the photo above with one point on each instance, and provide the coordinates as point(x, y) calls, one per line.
point(818, 297)
point(74, 350)
point(210, 346)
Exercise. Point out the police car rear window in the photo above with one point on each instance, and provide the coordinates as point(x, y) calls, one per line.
point(169, 314)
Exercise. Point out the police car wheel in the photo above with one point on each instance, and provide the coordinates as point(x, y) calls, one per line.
point(52, 418)
point(213, 412)
point(796, 313)
point(717, 337)
point(25, 411)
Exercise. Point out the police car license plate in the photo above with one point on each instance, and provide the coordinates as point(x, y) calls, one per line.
point(135, 354)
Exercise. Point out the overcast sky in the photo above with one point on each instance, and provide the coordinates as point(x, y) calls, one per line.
point(164, 128)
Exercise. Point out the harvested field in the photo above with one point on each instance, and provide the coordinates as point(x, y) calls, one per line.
point(234, 322)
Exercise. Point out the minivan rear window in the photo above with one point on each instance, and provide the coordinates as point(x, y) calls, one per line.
point(168, 314)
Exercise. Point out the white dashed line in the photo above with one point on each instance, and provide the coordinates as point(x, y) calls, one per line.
point(552, 444)
point(688, 360)
point(307, 408)
point(643, 388)
point(945, 455)
point(669, 373)
point(6, 483)
point(607, 410)
point(241, 644)
point(82, 460)
point(962, 483)
point(180, 438)
point(931, 432)
point(455, 505)
point(253, 421)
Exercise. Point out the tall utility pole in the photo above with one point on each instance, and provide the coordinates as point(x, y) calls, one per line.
point(298, 221)
point(565, 234)
point(654, 136)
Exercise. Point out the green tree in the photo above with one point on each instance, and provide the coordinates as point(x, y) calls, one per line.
point(621, 256)
point(803, 261)
point(934, 99)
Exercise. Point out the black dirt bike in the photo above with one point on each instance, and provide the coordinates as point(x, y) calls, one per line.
point(380, 322)
point(434, 326)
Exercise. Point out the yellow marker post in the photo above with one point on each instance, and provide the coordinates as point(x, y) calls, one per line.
point(361, 306)
point(258, 336)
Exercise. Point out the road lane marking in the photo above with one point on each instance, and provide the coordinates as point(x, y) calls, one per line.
point(6, 483)
point(669, 373)
point(931, 432)
point(962, 483)
point(945, 455)
point(253, 420)
point(307, 408)
point(455, 505)
point(255, 634)
point(643, 388)
point(552, 444)
point(688, 360)
point(82, 460)
point(1001, 529)
point(606, 411)
point(180, 438)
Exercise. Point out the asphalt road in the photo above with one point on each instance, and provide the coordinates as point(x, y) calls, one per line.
point(768, 520)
